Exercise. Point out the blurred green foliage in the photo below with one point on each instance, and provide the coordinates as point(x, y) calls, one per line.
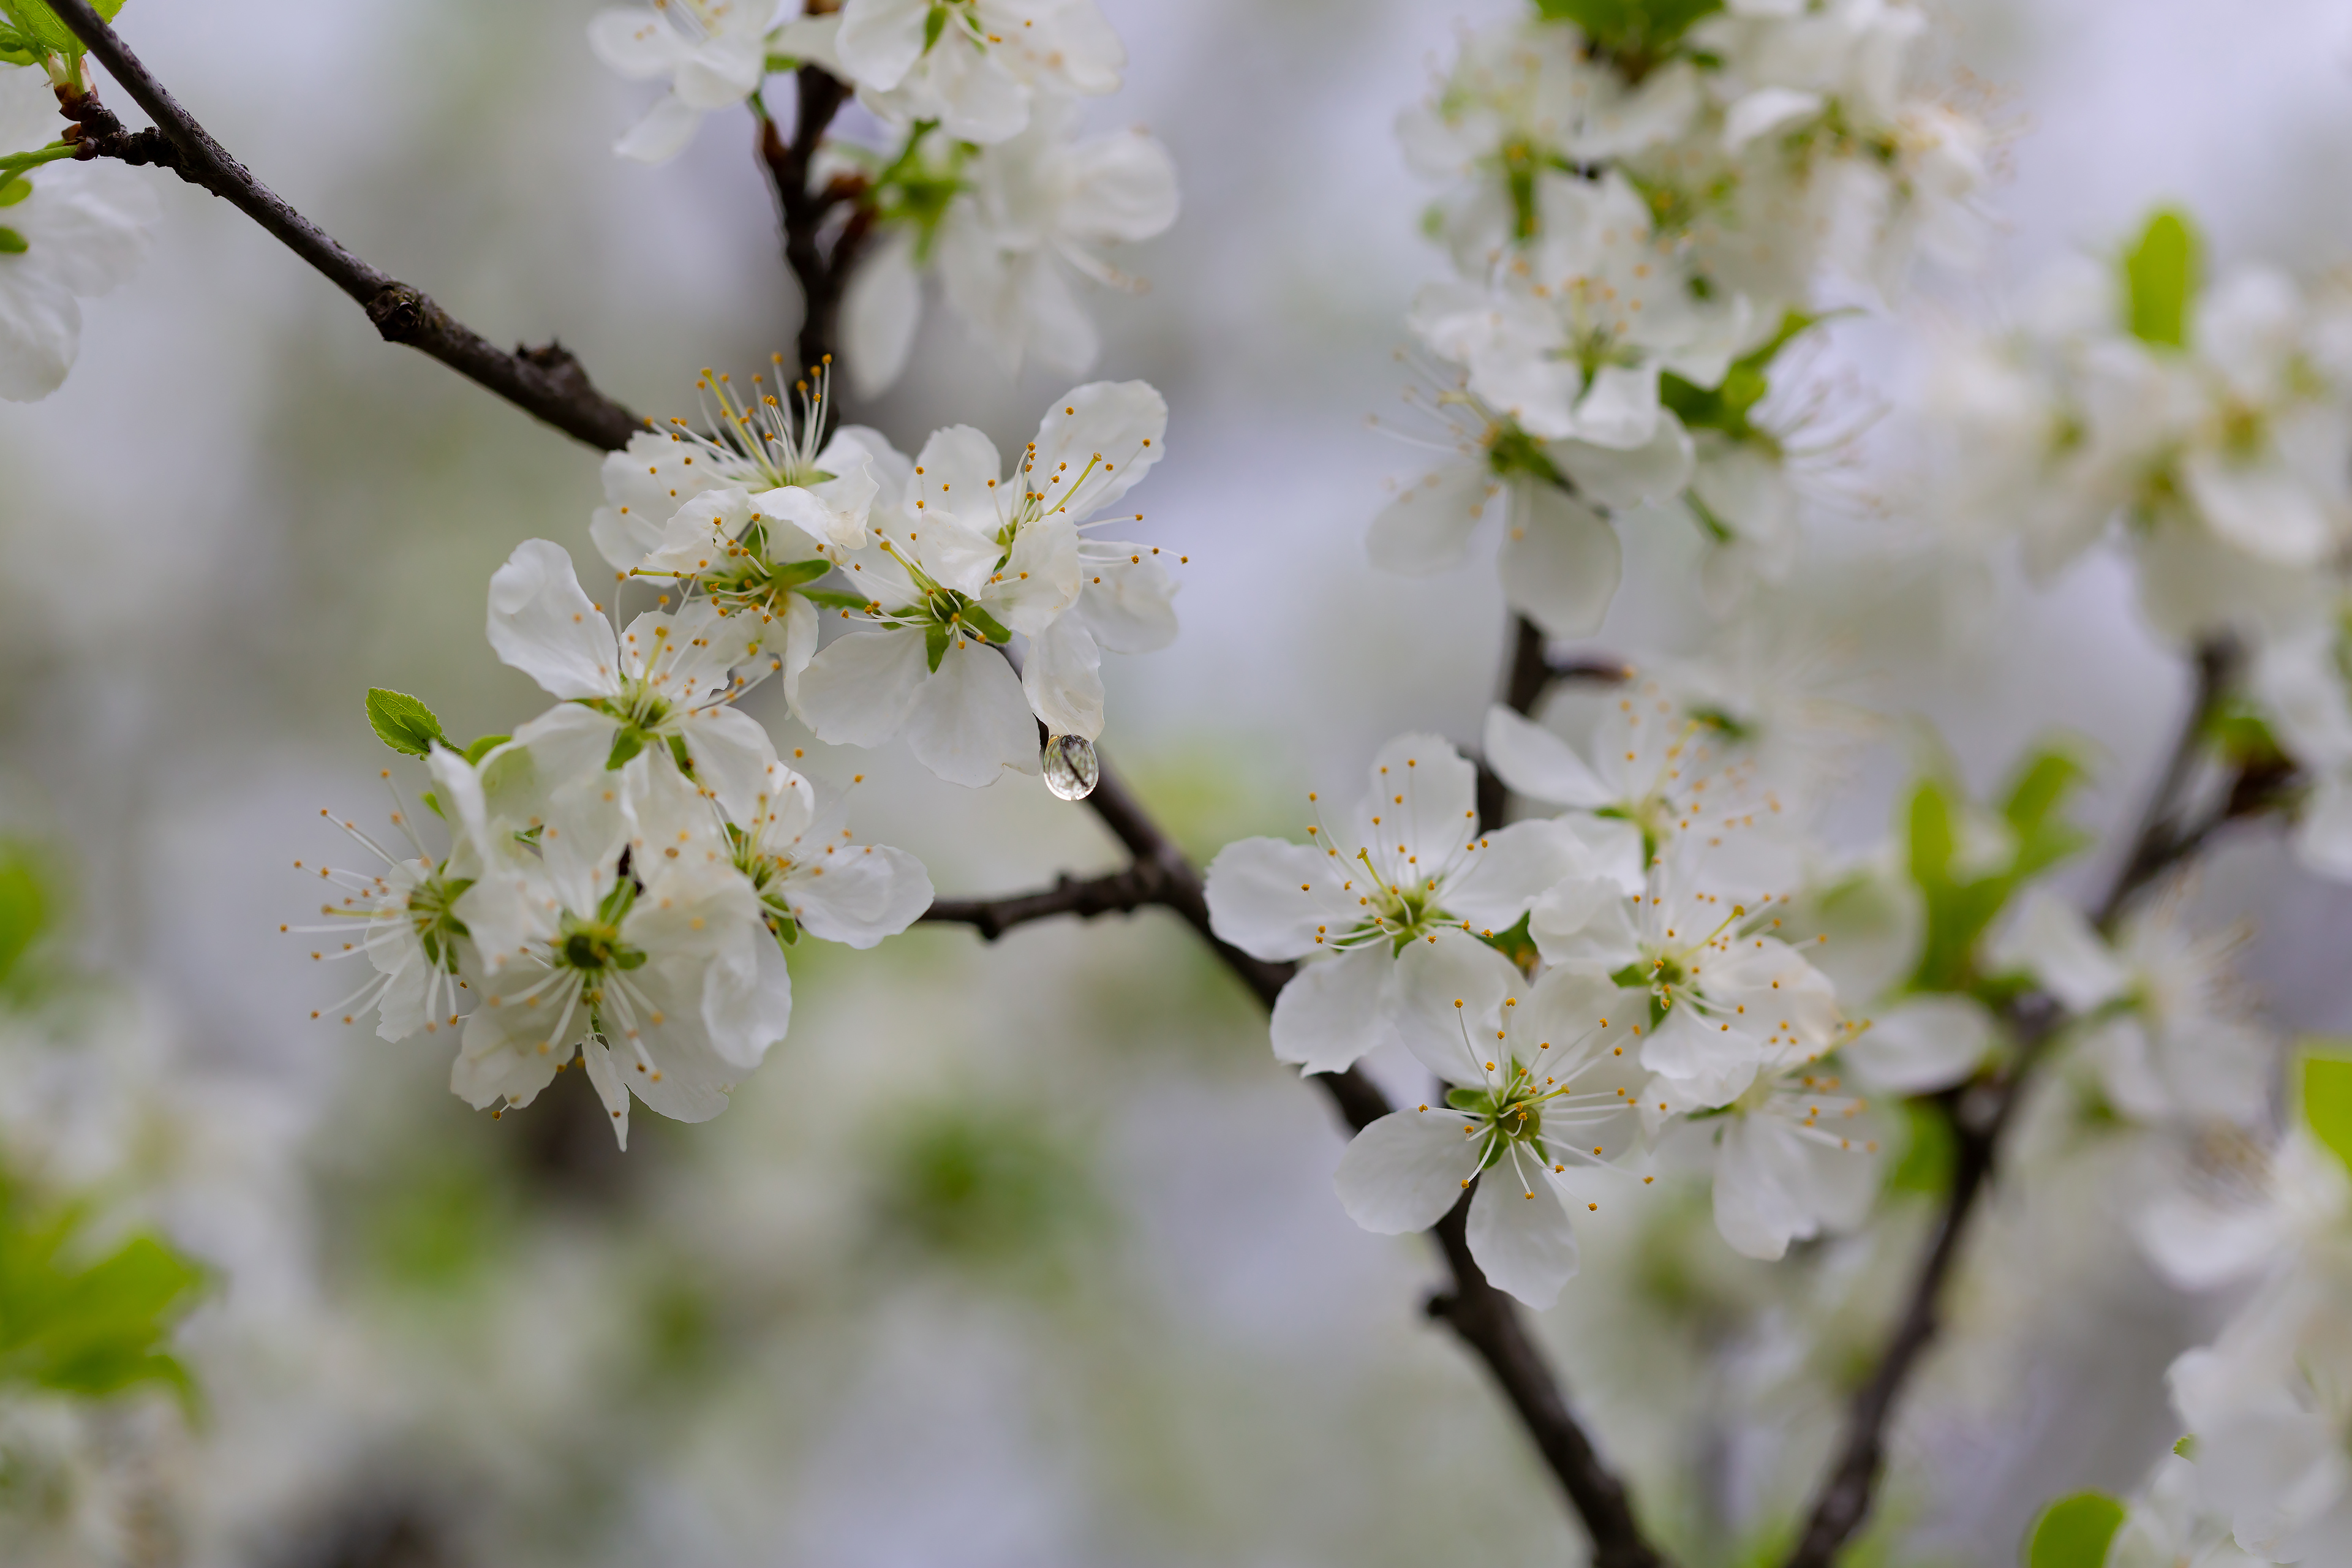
point(2074, 1532)
point(72, 1325)
point(987, 1187)
point(2327, 1098)
point(1969, 867)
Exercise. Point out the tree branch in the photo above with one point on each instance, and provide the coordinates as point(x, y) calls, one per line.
point(546, 382)
point(1980, 1112)
point(823, 273)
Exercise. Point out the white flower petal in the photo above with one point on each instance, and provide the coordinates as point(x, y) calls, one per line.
point(1406, 1170)
point(1333, 1011)
point(541, 624)
point(1519, 1231)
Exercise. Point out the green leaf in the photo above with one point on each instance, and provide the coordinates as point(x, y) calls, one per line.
point(833, 599)
point(2328, 1101)
point(15, 189)
point(483, 746)
point(933, 26)
point(2161, 273)
point(935, 643)
point(1963, 899)
point(2074, 1532)
point(38, 26)
point(11, 242)
point(1725, 406)
point(2044, 781)
point(25, 904)
point(403, 722)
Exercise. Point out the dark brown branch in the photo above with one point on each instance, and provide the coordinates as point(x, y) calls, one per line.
point(1113, 893)
point(1978, 1112)
point(1528, 673)
point(546, 382)
point(1489, 1322)
point(822, 270)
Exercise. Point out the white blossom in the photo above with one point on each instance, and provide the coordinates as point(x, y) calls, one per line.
point(715, 54)
point(2170, 1038)
point(69, 231)
point(1733, 999)
point(665, 677)
point(975, 67)
point(1569, 339)
point(1540, 1098)
point(1412, 867)
point(1561, 558)
point(967, 560)
point(2269, 1409)
point(652, 976)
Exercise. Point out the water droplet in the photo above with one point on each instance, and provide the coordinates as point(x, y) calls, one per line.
point(1071, 771)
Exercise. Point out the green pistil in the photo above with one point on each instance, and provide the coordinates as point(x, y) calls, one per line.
point(430, 910)
point(595, 947)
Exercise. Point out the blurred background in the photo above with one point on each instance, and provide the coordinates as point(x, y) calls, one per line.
point(1021, 1255)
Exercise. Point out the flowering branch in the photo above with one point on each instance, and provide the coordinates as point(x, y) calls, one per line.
point(1979, 1111)
point(546, 382)
point(823, 273)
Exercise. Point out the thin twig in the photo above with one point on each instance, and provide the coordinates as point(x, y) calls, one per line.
point(546, 382)
point(822, 270)
point(1118, 892)
point(1528, 671)
point(1980, 1112)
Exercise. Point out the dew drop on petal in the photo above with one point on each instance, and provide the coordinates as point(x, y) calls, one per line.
point(1071, 771)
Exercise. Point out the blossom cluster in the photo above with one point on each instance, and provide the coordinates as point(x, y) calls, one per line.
point(1645, 206)
point(981, 173)
point(626, 871)
point(1612, 990)
point(2206, 427)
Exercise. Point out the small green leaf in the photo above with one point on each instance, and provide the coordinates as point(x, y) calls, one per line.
point(403, 722)
point(933, 26)
point(12, 243)
point(2328, 1101)
point(627, 741)
point(680, 756)
point(483, 746)
point(41, 33)
point(935, 645)
point(2161, 272)
point(833, 599)
point(2074, 1532)
point(15, 189)
point(786, 928)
